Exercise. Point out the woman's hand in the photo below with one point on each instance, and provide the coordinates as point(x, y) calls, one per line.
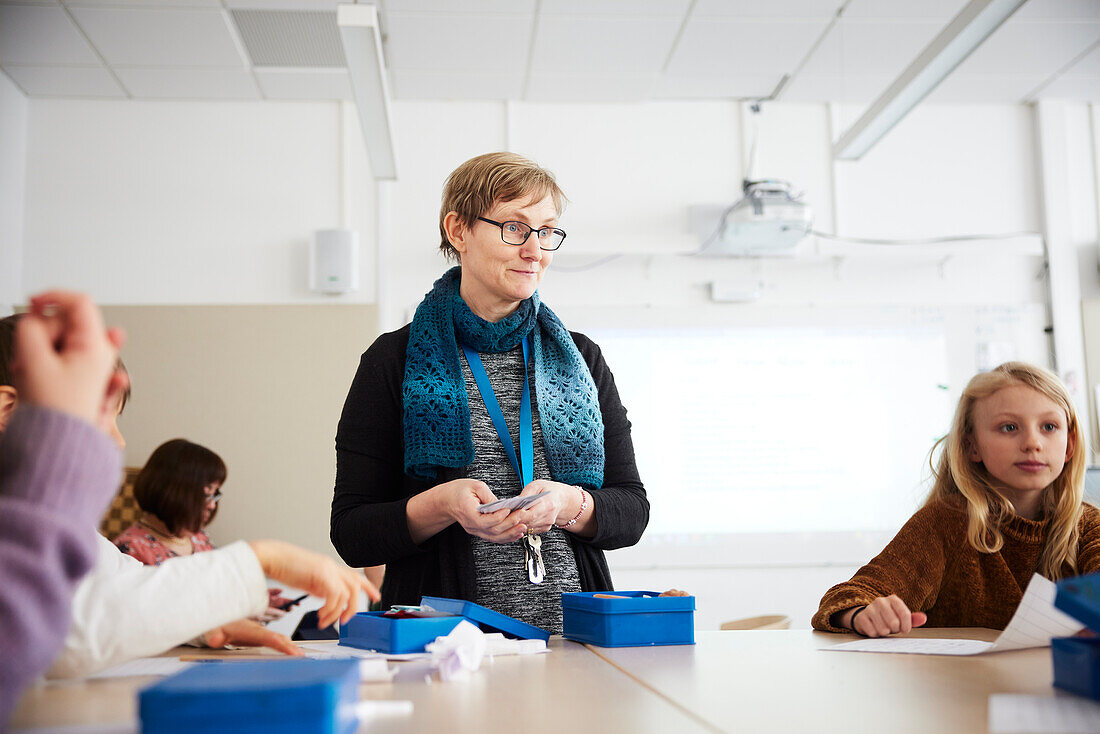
point(458, 501)
point(465, 496)
point(319, 575)
point(247, 633)
point(557, 508)
point(886, 615)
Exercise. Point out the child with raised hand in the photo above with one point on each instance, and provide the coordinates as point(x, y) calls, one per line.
point(58, 471)
point(1006, 503)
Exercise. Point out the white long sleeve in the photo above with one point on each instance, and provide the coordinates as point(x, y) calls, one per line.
point(124, 610)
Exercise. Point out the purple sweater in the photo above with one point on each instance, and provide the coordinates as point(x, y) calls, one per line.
point(57, 475)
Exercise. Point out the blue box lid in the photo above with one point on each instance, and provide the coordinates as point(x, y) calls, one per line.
point(269, 691)
point(634, 602)
point(1079, 597)
point(487, 618)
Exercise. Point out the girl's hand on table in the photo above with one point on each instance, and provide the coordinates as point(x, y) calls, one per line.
point(886, 615)
point(247, 633)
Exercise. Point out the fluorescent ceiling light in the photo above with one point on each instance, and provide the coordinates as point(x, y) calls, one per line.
point(363, 48)
point(966, 32)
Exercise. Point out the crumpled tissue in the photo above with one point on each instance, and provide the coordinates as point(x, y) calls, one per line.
point(459, 653)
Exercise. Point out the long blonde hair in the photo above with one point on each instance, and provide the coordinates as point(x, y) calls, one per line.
point(957, 476)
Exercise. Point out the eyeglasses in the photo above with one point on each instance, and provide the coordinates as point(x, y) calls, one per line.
point(214, 497)
point(516, 233)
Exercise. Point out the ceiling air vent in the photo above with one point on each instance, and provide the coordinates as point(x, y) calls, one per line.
point(290, 38)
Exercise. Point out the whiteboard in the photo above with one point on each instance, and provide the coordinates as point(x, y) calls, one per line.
point(758, 430)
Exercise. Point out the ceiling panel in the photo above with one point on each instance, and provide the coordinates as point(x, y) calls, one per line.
point(729, 86)
point(456, 85)
point(304, 83)
point(636, 8)
point(282, 38)
point(802, 9)
point(451, 42)
point(585, 50)
point(161, 36)
point(853, 88)
point(571, 44)
point(942, 10)
point(1074, 88)
point(1031, 47)
point(871, 47)
point(589, 87)
point(42, 34)
point(711, 46)
point(145, 3)
point(1087, 65)
point(65, 81)
point(458, 6)
point(329, 5)
point(189, 83)
point(984, 88)
point(1058, 10)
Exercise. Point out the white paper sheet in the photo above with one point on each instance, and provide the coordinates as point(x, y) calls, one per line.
point(331, 651)
point(144, 666)
point(1018, 714)
point(1035, 622)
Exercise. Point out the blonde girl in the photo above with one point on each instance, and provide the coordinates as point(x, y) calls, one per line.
point(1006, 503)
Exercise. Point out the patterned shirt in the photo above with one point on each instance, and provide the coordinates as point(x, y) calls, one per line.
point(138, 542)
point(502, 582)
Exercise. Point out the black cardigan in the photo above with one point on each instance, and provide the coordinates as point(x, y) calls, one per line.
point(369, 525)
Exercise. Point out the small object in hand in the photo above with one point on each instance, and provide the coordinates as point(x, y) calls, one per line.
point(287, 604)
point(513, 503)
point(674, 592)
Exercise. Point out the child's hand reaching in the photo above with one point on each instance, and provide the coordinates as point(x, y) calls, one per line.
point(885, 616)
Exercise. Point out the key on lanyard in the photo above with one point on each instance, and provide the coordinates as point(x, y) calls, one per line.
point(532, 555)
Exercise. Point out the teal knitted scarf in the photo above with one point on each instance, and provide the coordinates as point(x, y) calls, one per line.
point(436, 411)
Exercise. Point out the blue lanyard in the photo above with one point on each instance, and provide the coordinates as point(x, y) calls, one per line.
point(525, 468)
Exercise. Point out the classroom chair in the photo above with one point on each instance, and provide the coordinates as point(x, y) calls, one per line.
point(763, 622)
point(124, 510)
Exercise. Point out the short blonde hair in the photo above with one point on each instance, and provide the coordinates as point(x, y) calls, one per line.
point(957, 476)
point(475, 186)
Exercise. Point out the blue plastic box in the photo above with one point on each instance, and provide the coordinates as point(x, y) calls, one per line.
point(1077, 659)
point(372, 631)
point(642, 619)
point(299, 696)
point(486, 618)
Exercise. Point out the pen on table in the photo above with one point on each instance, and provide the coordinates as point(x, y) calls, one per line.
point(201, 658)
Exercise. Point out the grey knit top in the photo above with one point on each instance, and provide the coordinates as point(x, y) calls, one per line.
point(502, 583)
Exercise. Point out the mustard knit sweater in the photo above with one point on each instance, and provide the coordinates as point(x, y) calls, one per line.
point(932, 567)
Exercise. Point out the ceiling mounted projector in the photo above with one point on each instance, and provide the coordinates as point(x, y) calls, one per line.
point(770, 219)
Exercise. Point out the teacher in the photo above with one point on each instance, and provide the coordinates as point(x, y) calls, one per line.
point(487, 396)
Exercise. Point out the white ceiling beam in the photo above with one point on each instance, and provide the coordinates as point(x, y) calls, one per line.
point(975, 23)
point(363, 48)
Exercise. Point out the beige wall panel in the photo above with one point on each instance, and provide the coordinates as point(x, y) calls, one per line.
point(263, 387)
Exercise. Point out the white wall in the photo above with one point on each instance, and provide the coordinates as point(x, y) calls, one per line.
point(193, 203)
point(187, 202)
point(13, 165)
